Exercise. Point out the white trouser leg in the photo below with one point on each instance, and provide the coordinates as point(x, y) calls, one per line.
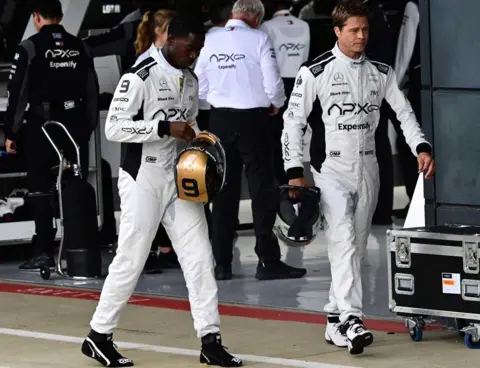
point(331, 307)
point(366, 205)
point(141, 212)
point(187, 228)
point(338, 208)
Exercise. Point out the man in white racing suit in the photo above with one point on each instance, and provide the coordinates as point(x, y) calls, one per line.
point(350, 89)
point(153, 114)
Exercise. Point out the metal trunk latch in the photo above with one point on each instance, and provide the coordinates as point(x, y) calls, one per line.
point(402, 252)
point(470, 258)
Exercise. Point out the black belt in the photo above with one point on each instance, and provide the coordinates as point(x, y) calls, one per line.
point(229, 109)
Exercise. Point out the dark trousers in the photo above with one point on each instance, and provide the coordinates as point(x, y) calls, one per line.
point(40, 158)
point(247, 140)
point(383, 150)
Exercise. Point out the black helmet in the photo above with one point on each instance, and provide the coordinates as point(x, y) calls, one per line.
point(200, 169)
point(298, 219)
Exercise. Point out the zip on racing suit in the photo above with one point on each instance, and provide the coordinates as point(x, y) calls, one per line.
point(147, 98)
point(343, 159)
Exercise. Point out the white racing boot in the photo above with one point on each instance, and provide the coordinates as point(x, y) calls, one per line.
point(333, 336)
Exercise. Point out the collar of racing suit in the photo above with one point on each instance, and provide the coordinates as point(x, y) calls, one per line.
point(158, 56)
point(354, 63)
point(236, 23)
point(281, 13)
point(52, 28)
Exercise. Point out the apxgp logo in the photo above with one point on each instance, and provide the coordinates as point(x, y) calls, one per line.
point(226, 57)
point(291, 46)
point(61, 53)
point(367, 108)
point(140, 131)
point(172, 114)
point(286, 148)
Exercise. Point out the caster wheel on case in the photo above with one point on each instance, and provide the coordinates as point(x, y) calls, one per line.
point(470, 343)
point(45, 272)
point(416, 334)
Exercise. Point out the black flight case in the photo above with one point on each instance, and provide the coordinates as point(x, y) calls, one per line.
point(434, 273)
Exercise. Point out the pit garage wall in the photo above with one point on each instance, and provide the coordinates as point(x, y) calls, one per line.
point(451, 108)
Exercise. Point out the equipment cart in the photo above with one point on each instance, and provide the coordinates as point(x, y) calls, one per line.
point(434, 272)
point(21, 232)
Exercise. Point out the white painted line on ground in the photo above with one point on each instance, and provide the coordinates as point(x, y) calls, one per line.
point(169, 350)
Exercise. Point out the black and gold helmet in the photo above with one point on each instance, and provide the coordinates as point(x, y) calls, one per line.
point(200, 169)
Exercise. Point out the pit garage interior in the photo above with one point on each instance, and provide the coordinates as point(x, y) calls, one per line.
point(270, 323)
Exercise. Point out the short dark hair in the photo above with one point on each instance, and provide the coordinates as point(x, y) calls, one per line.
point(284, 4)
point(183, 25)
point(48, 9)
point(219, 11)
point(346, 9)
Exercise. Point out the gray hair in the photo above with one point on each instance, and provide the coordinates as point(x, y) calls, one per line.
point(249, 7)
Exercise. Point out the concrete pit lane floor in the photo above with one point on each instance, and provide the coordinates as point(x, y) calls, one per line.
point(46, 330)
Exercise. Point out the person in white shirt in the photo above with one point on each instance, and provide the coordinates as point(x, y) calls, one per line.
point(220, 13)
point(239, 76)
point(291, 40)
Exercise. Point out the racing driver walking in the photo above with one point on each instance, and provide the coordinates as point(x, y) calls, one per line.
point(350, 88)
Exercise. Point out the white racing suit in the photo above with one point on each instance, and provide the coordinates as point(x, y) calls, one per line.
point(343, 159)
point(148, 96)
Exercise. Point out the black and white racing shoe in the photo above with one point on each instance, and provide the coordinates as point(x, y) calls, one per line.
point(358, 337)
point(333, 335)
point(214, 353)
point(101, 348)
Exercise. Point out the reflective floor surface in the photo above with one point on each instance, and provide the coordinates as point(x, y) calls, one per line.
point(307, 294)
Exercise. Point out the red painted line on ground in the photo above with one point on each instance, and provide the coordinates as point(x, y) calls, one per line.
point(184, 305)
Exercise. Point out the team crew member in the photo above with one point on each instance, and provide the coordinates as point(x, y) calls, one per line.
point(220, 12)
point(238, 75)
point(350, 88)
point(53, 73)
point(291, 41)
point(408, 60)
point(152, 113)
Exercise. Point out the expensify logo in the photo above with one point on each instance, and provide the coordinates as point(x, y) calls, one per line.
point(64, 64)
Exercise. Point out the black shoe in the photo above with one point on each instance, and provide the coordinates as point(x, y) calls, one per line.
point(101, 348)
point(223, 273)
point(214, 353)
point(35, 263)
point(152, 265)
point(278, 271)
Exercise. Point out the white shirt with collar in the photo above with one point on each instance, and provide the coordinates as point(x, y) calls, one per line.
point(291, 39)
point(203, 104)
point(237, 68)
